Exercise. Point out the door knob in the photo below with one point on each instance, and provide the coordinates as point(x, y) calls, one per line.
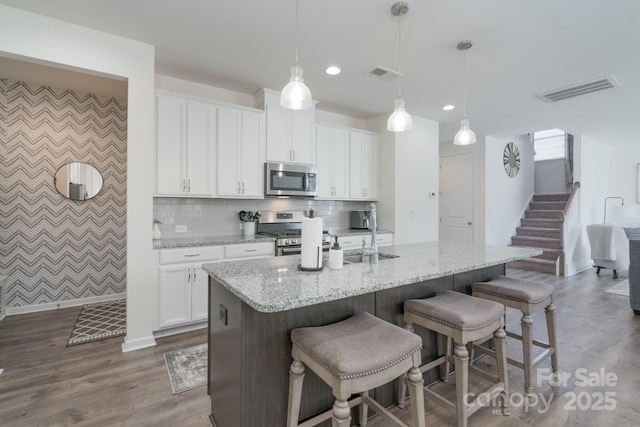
point(469, 223)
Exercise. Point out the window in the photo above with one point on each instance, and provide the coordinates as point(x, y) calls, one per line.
point(549, 144)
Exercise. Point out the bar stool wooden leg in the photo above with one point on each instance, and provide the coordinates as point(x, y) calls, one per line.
point(527, 351)
point(341, 412)
point(402, 392)
point(296, 378)
point(446, 370)
point(550, 313)
point(500, 338)
point(364, 409)
point(416, 384)
point(461, 361)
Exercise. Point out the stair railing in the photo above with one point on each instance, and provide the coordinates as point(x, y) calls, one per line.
point(570, 229)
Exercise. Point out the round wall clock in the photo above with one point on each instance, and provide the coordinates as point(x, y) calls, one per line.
point(511, 159)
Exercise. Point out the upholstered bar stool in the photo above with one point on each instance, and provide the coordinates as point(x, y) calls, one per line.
point(354, 356)
point(528, 297)
point(464, 319)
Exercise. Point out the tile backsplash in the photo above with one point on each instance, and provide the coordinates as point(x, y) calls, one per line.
point(219, 217)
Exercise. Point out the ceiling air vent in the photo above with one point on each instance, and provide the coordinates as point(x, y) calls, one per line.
point(579, 89)
point(384, 73)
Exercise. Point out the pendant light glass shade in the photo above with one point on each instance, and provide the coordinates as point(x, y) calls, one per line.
point(296, 95)
point(399, 120)
point(465, 135)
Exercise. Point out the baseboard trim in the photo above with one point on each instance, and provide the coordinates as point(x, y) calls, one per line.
point(179, 329)
point(138, 344)
point(63, 304)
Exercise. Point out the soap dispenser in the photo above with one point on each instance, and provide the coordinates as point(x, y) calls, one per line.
point(336, 256)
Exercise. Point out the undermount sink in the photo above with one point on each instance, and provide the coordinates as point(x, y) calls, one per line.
point(358, 258)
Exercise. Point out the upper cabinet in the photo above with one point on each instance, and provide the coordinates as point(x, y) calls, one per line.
point(240, 153)
point(185, 136)
point(333, 163)
point(290, 133)
point(364, 165)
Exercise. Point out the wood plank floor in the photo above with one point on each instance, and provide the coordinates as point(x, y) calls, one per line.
point(95, 384)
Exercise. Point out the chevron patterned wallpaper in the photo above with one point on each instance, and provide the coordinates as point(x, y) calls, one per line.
point(51, 248)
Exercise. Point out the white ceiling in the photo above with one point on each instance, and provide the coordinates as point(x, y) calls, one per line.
point(521, 48)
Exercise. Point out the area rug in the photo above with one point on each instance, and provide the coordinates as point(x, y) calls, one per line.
point(187, 368)
point(621, 288)
point(99, 321)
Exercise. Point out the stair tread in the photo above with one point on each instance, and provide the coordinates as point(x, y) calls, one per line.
point(537, 238)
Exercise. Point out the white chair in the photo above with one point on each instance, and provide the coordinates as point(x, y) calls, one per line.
point(609, 247)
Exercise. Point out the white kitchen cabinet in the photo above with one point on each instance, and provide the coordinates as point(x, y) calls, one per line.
point(185, 144)
point(182, 285)
point(354, 241)
point(240, 166)
point(290, 135)
point(333, 163)
point(363, 166)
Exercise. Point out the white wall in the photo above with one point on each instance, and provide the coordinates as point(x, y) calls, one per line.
point(506, 198)
point(35, 38)
point(409, 164)
point(550, 177)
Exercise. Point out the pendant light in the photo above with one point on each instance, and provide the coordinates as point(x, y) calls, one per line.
point(465, 135)
point(399, 120)
point(296, 95)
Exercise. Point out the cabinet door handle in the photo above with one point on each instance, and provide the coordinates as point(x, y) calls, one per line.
point(189, 188)
point(194, 275)
point(242, 187)
point(250, 250)
point(184, 186)
point(191, 255)
point(189, 278)
point(294, 154)
point(290, 155)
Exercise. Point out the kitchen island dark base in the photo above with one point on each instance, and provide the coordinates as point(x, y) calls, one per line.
point(250, 352)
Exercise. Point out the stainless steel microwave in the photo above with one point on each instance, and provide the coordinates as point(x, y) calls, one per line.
point(287, 179)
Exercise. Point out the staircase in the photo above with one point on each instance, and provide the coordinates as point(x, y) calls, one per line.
point(542, 227)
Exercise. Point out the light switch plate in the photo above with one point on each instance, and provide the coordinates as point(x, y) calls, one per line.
point(181, 228)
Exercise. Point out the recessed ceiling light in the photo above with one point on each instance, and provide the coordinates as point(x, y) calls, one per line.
point(333, 70)
point(448, 107)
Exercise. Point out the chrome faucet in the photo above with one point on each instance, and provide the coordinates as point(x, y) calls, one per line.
point(372, 251)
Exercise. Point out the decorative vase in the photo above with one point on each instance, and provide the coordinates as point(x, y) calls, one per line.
point(156, 232)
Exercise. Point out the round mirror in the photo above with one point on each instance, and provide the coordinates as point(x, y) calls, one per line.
point(78, 181)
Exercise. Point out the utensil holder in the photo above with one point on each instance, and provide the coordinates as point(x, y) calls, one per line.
point(249, 229)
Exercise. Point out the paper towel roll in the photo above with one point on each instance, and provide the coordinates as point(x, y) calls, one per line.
point(311, 247)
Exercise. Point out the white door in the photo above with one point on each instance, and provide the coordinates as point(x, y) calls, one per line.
point(456, 198)
point(199, 293)
point(171, 115)
point(175, 295)
point(200, 148)
point(228, 179)
point(252, 155)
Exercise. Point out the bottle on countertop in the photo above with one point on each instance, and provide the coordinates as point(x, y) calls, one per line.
point(336, 256)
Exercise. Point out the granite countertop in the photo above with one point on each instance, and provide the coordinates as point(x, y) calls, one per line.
point(275, 284)
point(188, 242)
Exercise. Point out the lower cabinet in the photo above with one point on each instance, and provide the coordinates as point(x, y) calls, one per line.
point(182, 286)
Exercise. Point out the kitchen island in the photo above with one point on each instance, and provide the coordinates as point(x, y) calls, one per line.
point(253, 306)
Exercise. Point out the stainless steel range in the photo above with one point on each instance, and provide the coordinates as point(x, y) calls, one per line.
point(287, 227)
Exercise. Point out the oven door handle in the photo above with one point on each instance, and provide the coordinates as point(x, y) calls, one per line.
point(291, 251)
